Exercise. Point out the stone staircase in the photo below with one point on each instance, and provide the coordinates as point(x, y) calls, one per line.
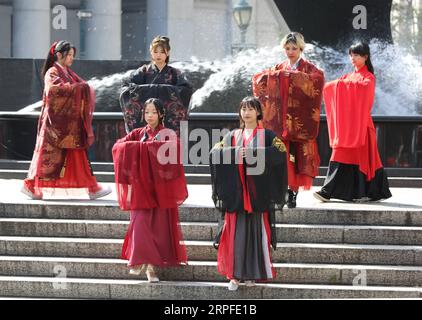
point(51, 249)
point(104, 171)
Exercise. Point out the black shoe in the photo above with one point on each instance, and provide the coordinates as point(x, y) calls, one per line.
point(291, 199)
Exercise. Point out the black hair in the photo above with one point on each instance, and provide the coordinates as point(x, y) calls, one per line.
point(159, 106)
point(251, 102)
point(63, 47)
point(362, 49)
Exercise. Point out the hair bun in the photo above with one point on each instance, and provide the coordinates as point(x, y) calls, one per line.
point(161, 39)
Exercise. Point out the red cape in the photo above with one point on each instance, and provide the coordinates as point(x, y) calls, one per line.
point(348, 104)
point(142, 180)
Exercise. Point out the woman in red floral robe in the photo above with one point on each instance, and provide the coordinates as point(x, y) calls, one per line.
point(60, 160)
point(291, 94)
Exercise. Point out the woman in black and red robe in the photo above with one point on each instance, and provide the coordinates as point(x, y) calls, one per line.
point(355, 171)
point(60, 165)
point(249, 180)
point(150, 182)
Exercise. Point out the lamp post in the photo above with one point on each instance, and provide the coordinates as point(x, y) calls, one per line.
point(242, 13)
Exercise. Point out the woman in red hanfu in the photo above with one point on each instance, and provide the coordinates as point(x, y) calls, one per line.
point(355, 170)
point(291, 94)
point(249, 181)
point(150, 182)
point(60, 165)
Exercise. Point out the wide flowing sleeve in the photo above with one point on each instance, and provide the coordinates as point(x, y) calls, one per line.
point(271, 88)
point(275, 156)
point(348, 104)
point(278, 183)
point(267, 172)
point(131, 107)
point(132, 101)
point(225, 181)
point(135, 77)
point(148, 174)
point(168, 173)
point(267, 191)
point(69, 108)
point(184, 87)
point(304, 104)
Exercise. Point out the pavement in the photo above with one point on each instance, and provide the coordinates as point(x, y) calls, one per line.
point(403, 199)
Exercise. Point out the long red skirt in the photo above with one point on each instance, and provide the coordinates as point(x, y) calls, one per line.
point(77, 179)
point(154, 237)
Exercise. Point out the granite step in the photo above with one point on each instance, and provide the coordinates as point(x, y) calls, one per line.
point(115, 229)
point(94, 268)
point(55, 287)
point(347, 214)
point(203, 250)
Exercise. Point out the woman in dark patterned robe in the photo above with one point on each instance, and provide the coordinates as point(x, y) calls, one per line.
point(156, 80)
point(60, 165)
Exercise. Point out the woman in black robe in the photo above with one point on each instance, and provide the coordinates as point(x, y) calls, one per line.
point(156, 80)
point(249, 180)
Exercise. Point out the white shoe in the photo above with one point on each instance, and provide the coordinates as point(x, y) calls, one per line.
point(137, 270)
point(233, 285)
point(33, 196)
point(249, 283)
point(100, 193)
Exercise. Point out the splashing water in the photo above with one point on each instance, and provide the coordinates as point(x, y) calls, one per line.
point(399, 77)
point(220, 85)
point(231, 80)
point(399, 81)
point(107, 91)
